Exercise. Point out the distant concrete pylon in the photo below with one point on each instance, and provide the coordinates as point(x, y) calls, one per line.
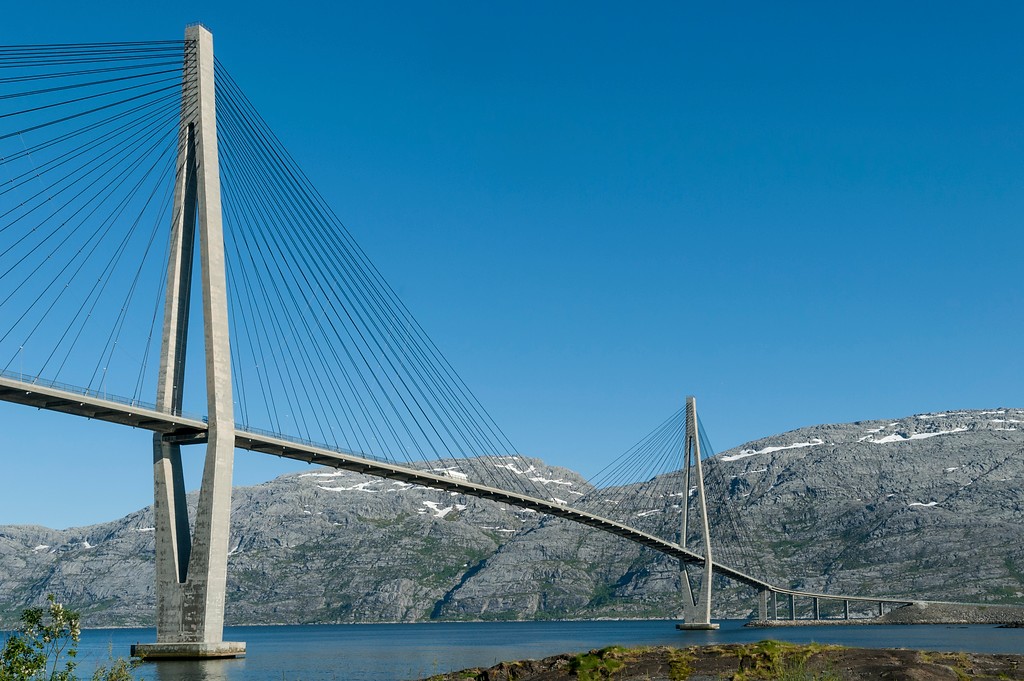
point(696, 607)
point(191, 571)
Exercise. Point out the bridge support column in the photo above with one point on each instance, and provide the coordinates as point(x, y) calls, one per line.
point(191, 571)
point(696, 607)
point(846, 610)
point(762, 605)
point(816, 609)
point(775, 606)
point(792, 607)
point(880, 610)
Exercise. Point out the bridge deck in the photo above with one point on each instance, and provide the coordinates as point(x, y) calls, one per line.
point(176, 427)
point(95, 405)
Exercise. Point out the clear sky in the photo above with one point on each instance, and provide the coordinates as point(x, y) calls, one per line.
point(800, 213)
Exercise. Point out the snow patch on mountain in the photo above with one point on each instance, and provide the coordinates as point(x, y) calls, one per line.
point(451, 473)
point(508, 466)
point(442, 511)
point(359, 487)
point(744, 453)
point(551, 481)
point(897, 437)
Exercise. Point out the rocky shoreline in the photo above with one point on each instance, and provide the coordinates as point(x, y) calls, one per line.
point(764, 660)
point(918, 613)
point(952, 613)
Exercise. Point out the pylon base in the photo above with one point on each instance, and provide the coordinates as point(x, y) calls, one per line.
point(697, 626)
point(154, 652)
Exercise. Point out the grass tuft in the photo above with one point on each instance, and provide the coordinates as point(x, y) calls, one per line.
point(600, 664)
point(780, 661)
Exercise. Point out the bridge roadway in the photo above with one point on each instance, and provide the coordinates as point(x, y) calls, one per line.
point(186, 429)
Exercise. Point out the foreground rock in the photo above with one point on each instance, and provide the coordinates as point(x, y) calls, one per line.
point(765, 660)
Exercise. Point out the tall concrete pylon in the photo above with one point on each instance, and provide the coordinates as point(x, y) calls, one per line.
point(191, 570)
point(696, 606)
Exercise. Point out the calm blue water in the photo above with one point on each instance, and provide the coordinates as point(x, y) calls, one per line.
point(390, 652)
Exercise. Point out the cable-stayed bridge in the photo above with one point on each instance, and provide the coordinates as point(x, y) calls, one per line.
point(134, 175)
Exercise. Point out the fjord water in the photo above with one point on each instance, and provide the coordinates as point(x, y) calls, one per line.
point(390, 652)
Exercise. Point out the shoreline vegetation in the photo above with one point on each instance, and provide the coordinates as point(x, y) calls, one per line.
point(743, 662)
point(45, 645)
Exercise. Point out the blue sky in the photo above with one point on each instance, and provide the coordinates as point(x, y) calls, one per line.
point(797, 212)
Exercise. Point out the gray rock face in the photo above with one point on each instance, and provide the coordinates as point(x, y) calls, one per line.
point(926, 507)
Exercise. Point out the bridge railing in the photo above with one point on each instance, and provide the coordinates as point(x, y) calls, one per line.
point(95, 394)
point(242, 429)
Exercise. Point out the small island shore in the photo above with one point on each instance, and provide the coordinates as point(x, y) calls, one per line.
point(764, 660)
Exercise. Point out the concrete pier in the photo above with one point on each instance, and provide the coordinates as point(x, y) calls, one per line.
point(191, 570)
point(155, 652)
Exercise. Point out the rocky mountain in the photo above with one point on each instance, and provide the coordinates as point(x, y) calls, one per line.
point(928, 506)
